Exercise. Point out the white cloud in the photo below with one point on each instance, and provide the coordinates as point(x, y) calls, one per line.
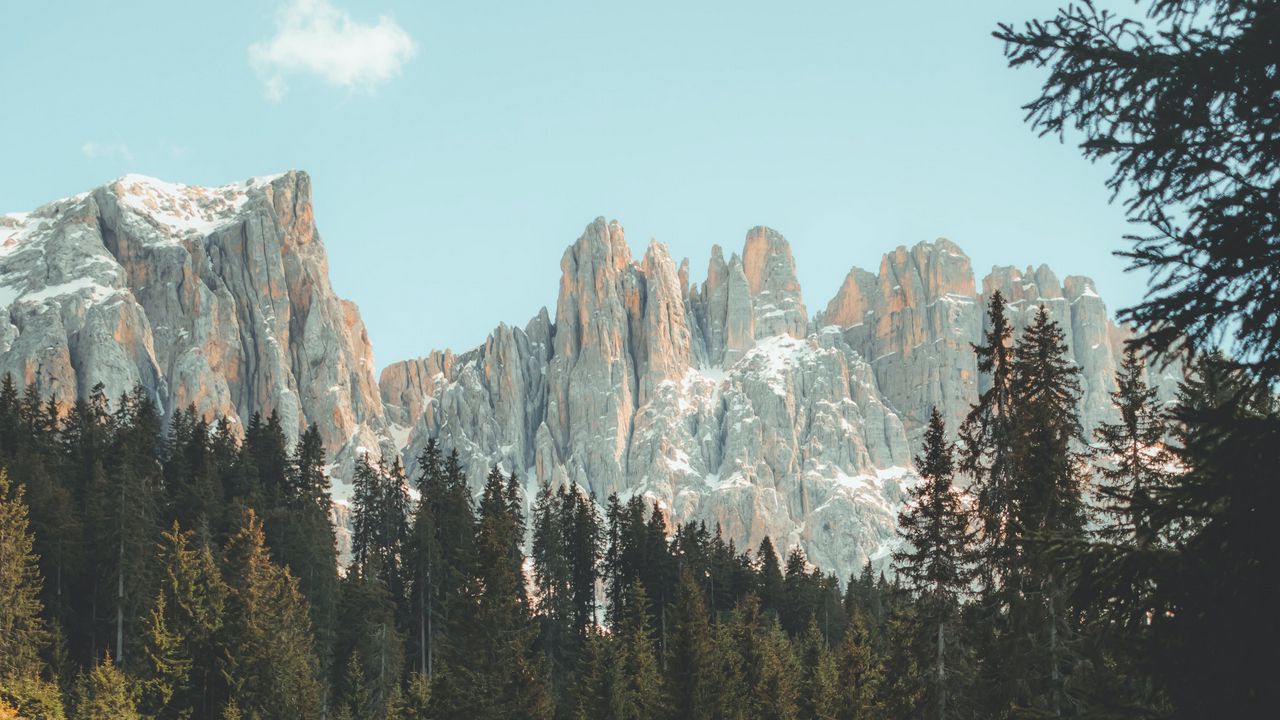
point(313, 36)
point(114, 150)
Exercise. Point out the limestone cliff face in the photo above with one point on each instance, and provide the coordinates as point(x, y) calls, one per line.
point(914, 321)
point(212, 297)
point(714, 401)
point(723, 402)
point(917, 318)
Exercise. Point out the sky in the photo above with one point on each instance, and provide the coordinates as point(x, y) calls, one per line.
point(457, 148)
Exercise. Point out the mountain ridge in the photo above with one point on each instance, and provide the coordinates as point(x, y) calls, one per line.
point(722, 401)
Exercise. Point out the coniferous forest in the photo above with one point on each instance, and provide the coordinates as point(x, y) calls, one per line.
point(180, 567)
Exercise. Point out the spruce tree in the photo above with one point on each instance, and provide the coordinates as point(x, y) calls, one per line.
point(305, 541)
point(932, 563)
point(1182, 103)
point(1188, 605)
point(800, 594)
point(184, 660)
point(192, 481)
point(987, 436)
point(491, 668)
point(589, 697)
point(104, 693)
point(124, 504)
point(30, 699)
point(370, 639)
point(1048, 507)
point(272, 668)
point(583, 544)
point(552, 577)
point(1136, 464)
point(770, 576)
point(769, 669)
point(638, 691)
point(692, 665)
point(905, 657)
point(441, 553)
point(820, 676)
point(861, 672)
point(1033, 631)
point(23, 633)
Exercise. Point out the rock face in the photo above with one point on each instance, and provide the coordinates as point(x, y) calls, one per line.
point(721, 401)
point(716, 402)
point(212, 297)
point(915, 321)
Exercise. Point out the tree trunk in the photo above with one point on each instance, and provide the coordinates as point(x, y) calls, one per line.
point(431, 637)
point(942, 670)
point(120, 586)
point(1054, 674)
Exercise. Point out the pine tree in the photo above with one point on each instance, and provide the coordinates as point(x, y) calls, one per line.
point(184, 661)
point(1187, 606)
point(820, 677)
point(273, 670)
point(861, 672)
point(104, 694)
point(23, 634)
point(1136, 462)
point(589, 698)
point(692, 667)
point(305, 542)
point(490, 668)
point(124, 498)
point(1048, 506)
point(638, 691)
point(934, 528)
point(987, 436)
point(770, 576)
point(1183, 105)
point(769, 669)
point(372, 643)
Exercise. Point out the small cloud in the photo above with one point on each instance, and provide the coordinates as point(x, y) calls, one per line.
point(114, 151)
point(313, 36)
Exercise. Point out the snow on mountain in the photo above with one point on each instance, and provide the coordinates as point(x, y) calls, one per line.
point(721, 401)
point(217, 298)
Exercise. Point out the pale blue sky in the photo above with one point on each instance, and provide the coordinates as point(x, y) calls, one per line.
point(456, 148)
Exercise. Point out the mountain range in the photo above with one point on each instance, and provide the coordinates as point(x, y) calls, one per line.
point(723, 400)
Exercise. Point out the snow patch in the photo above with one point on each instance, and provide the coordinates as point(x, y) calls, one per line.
point(186, 209)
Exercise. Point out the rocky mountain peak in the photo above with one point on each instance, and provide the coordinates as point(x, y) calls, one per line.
point(217, 298)
point(718, 399)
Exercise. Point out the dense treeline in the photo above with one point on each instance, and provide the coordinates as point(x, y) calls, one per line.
point(184, 573)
